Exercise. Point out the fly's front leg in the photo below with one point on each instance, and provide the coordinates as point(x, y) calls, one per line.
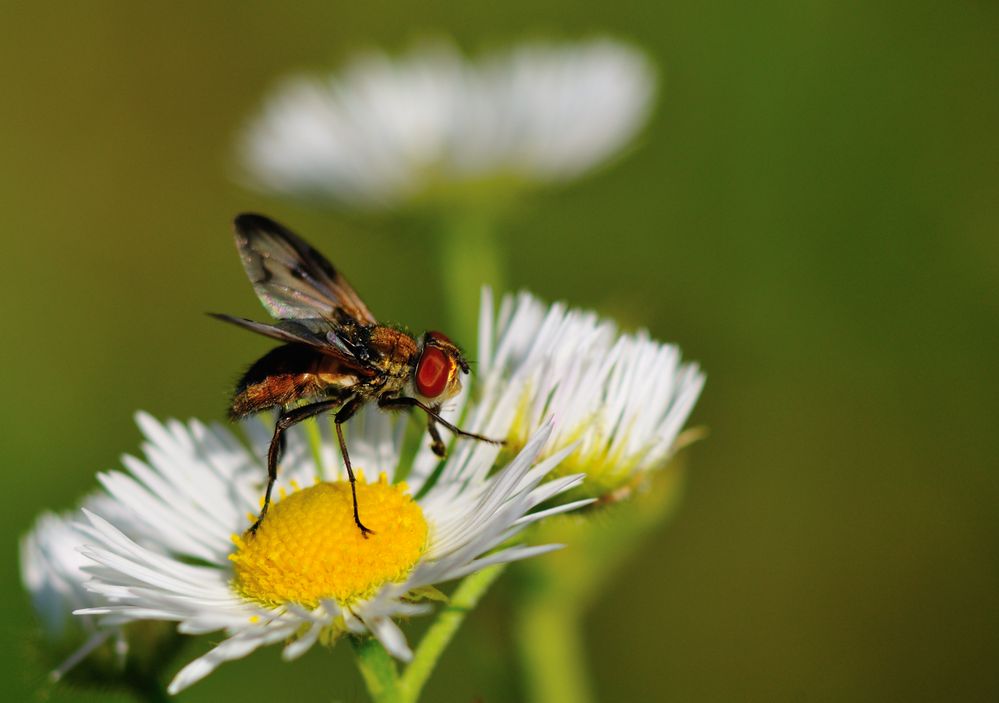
point(344, 414)
point(285, 420)
point(433, 414)
point(436, 443)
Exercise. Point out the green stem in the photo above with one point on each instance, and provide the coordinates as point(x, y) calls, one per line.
point(470, 257)
point(442, 631)
point(550, 645)
point(552, 595)
point(378, 669)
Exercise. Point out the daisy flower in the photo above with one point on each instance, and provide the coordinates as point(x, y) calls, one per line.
point(308, 575)
point(620, 399)
point(384, 132)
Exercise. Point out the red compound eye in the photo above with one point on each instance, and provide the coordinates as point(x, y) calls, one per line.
point(432, 372)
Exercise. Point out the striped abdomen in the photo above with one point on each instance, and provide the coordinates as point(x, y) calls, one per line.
point(292, 373)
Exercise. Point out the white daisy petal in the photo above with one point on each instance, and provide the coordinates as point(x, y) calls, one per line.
point(541, 514)
point(297, 647)
point(390, 636)
point(93, 642)
point(235, 647)
point(502, 557)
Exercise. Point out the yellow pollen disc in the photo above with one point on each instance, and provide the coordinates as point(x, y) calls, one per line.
point(308, 547)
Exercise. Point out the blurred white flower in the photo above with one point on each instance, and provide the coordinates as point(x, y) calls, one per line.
point(52, 573)
point(384, 131)
point(307, 575)
point(623, 399)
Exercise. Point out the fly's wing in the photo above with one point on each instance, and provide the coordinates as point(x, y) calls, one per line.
point(293, 280)
point(315, 333)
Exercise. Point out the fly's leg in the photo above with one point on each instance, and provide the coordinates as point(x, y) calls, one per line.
point(433, 417)
point(284, 421)
point(344, 414)
point(436, 443)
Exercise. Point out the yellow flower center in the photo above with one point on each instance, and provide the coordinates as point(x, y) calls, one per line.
point(308, 548)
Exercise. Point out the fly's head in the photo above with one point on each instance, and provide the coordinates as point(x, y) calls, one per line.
point(437, 374)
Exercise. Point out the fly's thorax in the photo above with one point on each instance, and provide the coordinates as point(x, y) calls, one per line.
point(392, 348)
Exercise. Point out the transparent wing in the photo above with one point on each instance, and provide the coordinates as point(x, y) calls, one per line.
point(293, 280)
point(316, 333)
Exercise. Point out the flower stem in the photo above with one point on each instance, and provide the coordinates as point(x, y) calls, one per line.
point(550, 645)
point(553, 595)
point(378, 670)
point(442, 631)
point(470, 256)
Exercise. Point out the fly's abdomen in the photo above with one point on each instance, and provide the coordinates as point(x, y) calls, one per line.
point(290, 374)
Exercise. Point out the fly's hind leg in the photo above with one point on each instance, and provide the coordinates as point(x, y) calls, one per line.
point(285, 420)
point(344, 414)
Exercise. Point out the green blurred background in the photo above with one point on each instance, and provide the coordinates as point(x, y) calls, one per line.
point(811, 215)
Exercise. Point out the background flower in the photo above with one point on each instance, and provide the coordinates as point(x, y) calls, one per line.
point(621, 399)
point(431, 123)
point(53, 571)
